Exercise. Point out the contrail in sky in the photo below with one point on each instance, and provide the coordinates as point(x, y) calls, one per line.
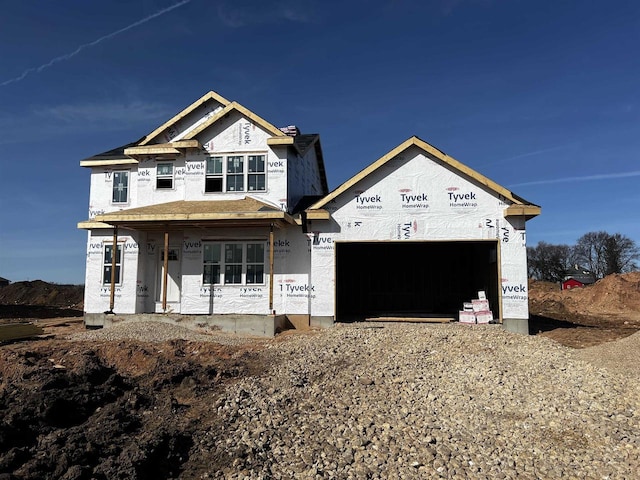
point(67, 56)
point(603, 176)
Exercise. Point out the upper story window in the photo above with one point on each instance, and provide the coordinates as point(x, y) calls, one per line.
point(214, 176)
point(120, 192)
point(164, 175)
point(256, 177)
point(236, 173)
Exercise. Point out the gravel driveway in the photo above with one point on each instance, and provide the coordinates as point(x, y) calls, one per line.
point(424, 401)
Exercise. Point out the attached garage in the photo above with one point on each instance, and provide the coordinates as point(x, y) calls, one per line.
point(413, 279)
point(418, 234)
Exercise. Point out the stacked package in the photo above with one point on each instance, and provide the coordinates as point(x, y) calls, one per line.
point(290, 130)
point(476, 311)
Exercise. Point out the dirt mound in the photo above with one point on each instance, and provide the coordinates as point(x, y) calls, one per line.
point(613, 295)
point(80, 410)
point(38, 299)
point(581, 317)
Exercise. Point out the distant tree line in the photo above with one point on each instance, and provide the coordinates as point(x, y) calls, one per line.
point(599, 252)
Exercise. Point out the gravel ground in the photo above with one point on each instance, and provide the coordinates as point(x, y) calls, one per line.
point(421, 401)
point(621, 356)
point(161, 332)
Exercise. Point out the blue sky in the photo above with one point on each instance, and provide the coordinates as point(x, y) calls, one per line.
point(543, 97)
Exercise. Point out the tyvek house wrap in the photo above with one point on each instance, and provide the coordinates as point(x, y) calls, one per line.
point(97, 293)
point(415, 197)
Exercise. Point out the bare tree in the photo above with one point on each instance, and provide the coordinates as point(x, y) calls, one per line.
point(549, 262)
point(604, 254)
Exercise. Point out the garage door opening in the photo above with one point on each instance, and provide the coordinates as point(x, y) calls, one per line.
point(413, 278)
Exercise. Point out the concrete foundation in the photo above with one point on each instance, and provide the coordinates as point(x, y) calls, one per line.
point(516, 325)
point(322, 321)
point(259, 325)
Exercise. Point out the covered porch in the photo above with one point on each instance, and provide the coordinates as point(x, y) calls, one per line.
point(173, 275)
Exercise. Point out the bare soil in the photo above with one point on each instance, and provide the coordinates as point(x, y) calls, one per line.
point(129, 409)
point(104, 410)
point(583, 317)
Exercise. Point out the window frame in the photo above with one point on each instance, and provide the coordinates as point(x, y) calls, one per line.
point(108, 264)
point(225, 263)
point(246, 176)
point(214, 175)
point(113, 186)
point(165, 176)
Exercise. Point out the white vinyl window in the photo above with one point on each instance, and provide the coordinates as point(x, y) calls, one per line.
point(164, 175)
point(257, 173)
point(212, 262)
point(107, 264)
point(120, 190)
point(214, 176)
point(236, 173)
point(233, 263)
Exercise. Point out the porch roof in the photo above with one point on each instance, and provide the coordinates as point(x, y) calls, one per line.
point(245, 212)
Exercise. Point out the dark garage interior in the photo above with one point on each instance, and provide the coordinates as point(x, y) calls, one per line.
point(400, 278)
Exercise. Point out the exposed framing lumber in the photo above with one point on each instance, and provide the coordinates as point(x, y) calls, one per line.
point(234, 106)
point(176, 118)
point(431, 150)
point(411, 319)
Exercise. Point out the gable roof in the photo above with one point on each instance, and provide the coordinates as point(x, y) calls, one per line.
point(179, 116)
point(235, 106)
point(520, 206)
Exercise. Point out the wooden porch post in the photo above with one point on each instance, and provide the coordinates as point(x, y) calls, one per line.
point(165, 274)
point(114, 256)
point(271, 268)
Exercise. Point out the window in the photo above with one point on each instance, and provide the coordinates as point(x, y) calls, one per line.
point(214, 177)
point(108, 264)
point(255, 263)
point(233, 263)
point(164, 175)
point(256, 172)
point(236, 173)
point(211, 259)
point(120, 187)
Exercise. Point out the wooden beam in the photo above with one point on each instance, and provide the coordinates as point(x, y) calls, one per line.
point(319, 214)
point(152, 150)
point(101, 163)
point(271, 268)
point(527, 211)
point(411, 319)
point(280, 141)
point(165, 274)
point(114, 256)
point(90, 225)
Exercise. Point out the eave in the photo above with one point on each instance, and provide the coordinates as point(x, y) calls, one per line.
point(92, 224)
point(526, 211)
point(247, 212)
point(274, 141)
point(319, 214)
point(162, 149)
point(103, 163)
